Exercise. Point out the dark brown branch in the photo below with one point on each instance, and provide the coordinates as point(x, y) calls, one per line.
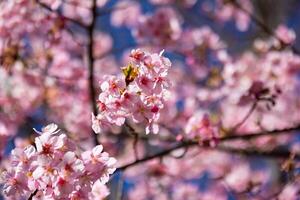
point(257, 153)
point(91, 62)
point(32, 195)
point(157, 155)
point(245, 152)
point(259, 134)
point(231, 135)
point(184, 144)
point(74, 21)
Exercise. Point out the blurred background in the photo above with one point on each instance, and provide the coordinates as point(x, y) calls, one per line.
point(236, 60)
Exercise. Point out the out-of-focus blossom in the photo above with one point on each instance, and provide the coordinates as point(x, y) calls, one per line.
point(200, 127)
point(162, 28)
point(224, 11)
point(126, 13)
point(287, 35)
point(290, 191)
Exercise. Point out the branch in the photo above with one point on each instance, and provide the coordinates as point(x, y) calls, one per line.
point(251, 110)
point(46, 7)
point(245, 152)
point(135, 140)
point(263, 26)
point(255, 152)
point(157, 155)
point(32, 195)
point(185, 144)
point(259, 134)
point(233, 135)
point(91, 62)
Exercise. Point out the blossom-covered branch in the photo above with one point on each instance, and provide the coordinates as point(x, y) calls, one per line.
point(45, 6)
point(206, 144)
point(265, 27)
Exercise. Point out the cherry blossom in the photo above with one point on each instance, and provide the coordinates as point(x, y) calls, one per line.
point(55, 168)
point(139, 93)
point(216, 82)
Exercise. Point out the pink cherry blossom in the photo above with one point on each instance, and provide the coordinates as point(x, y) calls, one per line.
point(140, 94)
point(285, 34)
point(218, 122)
point(200, 127)
point(57, 170)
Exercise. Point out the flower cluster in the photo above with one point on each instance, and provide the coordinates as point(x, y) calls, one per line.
point(128, 15)
point(163, 27)
point(223, 89)
point(54, 168)
point(226, 10)
point(200, 44)
point(139, 93)
point(283, 36)
point(200, 127)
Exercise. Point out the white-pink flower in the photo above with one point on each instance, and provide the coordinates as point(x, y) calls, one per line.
point(138, 95)
point(57, 169)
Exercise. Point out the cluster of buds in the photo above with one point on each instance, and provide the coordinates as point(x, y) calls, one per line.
point(54, 168)
point(138, 94)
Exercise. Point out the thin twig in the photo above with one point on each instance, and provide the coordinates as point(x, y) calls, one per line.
point(135, 139)
point(251, 110)
point(259, 134)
